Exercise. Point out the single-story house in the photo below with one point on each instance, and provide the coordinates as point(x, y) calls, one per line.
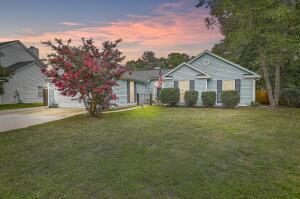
point(131, 88)
point(210, 72)
point(205, 72)
point(26, 84)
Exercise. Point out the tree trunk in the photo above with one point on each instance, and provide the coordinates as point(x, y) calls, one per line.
point(267, 79)
point(269, 88)
point(277, 85)
point(89, 107)
point(93, 110)
point(93, 107)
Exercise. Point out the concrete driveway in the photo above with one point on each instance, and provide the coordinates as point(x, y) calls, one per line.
point(21, 118)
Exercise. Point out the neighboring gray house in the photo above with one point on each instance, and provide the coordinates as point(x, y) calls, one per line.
point(206, 72)
point(27, 82)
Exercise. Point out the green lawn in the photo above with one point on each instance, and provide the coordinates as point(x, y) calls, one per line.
point(16, 106)
point(156, 152)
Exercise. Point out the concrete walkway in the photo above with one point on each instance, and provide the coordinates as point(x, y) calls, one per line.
point(123, 109)
point(21, 118)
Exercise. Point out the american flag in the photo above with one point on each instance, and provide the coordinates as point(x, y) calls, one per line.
point(160, 79)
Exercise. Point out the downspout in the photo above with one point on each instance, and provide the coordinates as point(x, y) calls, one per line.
point(254, 90)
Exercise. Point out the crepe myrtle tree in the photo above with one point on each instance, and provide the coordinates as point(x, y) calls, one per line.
point(86, 72)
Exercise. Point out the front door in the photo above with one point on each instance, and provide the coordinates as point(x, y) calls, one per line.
point(45, 96)
point(132, 92)
point(183, 86)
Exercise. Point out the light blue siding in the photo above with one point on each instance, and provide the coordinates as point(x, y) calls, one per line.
point(187, 73)
point(217, 68)
point(121, 92)
point(220, 70)
point(212, 85)
point(200, 86)
point(151, 88)
point(141, 90)
point(168, 83)
point(247, 91)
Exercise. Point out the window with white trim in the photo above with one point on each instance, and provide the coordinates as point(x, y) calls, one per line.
point(228, 85)
point(40, 91)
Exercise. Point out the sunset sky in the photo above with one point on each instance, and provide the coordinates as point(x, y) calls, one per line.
point(163, 26)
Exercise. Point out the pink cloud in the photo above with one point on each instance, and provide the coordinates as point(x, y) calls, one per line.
point(164, 33)
point(69, 23)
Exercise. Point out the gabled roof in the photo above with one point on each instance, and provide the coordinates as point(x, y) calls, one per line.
point(255, 75)
point(7, 43)
point(19, 65)
point(144, 75)
point(201, 73)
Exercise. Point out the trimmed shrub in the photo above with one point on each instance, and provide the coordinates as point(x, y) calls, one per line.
point(170, 96)
point(208, 98)
point(191, 98)
point(53, 105)
point(254, 104)
point(230, 99)
point(290, 97)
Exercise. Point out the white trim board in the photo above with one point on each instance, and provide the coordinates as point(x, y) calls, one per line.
point(188, 65)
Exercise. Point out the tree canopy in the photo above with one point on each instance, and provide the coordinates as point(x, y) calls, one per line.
point(150, 61)
point(175, 59)
point(263, 35)
point(86, 72)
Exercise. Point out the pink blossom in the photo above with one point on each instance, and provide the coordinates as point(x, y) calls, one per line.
point(95, 72)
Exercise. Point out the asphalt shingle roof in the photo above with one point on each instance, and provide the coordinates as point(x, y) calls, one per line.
point(7, 42)
point(144, 75)
point(19, 65)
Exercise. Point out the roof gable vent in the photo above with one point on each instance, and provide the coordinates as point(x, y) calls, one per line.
point(205, 61)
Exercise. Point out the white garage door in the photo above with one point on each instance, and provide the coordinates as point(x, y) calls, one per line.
point(66, 101)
